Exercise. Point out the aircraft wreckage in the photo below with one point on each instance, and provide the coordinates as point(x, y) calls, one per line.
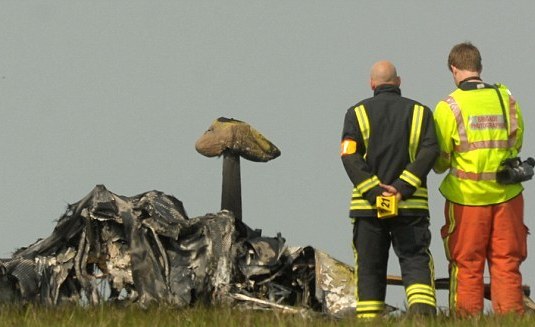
point(145, 249)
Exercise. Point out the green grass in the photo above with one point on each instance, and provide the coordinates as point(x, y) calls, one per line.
point(107, 315)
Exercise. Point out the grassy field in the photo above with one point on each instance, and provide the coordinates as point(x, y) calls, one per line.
point(16, 315)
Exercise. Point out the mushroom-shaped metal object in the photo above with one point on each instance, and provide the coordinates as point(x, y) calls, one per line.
point(233, 138)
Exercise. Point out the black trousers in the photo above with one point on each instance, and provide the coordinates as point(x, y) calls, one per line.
point(410, 238)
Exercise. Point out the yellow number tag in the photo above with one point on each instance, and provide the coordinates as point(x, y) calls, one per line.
point(387, 206)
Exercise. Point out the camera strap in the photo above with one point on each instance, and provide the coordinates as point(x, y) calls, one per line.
point(506, 121)
point(495, 87)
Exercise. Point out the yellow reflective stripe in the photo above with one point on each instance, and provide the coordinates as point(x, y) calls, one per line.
point(420, 288)
point(421, 192)
point(370, 306)
point(413, 201)
point(367, 315)
point(421, 293)
point(422, 299)
point(364, 123)
point(360, 205)
point(419, 200)
point(415, 204)
point(454, 271)
point(410, 178)
point(367, 184)
point(451, 227)
point(416, 129)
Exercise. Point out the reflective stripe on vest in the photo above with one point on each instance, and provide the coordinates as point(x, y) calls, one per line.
point(466, 146)
point(513, 121)
point(472, 176)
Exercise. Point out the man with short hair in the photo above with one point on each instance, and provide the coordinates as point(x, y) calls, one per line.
point(388, 148)
point(480, 125)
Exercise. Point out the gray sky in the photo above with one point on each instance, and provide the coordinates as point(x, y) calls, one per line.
point(117, 93)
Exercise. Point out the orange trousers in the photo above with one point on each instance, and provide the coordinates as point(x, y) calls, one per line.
point(474, 235)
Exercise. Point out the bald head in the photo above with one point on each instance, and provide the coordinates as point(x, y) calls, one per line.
point(384, 72)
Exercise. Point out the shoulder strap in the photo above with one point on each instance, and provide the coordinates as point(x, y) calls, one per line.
point(495, 87)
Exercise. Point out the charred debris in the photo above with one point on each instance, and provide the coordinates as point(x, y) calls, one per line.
point(145, 249)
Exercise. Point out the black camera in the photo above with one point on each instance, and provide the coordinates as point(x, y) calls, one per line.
point(515, 171)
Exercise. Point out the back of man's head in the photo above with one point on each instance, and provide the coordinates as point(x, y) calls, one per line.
point(384, 72)
point(465, 56)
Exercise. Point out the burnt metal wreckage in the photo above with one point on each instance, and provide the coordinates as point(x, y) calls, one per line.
point(145, 249)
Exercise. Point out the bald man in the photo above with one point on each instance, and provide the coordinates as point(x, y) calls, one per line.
point(384, 72)
point(388, 148)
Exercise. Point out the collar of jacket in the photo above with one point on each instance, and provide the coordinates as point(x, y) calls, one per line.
point(474, 85)
point(387, 88)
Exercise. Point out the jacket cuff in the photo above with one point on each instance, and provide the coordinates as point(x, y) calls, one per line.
point(410, 178)
point(367, 184)
point(405, 189)
point(371, 195)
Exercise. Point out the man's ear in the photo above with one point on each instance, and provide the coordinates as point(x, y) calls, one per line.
point(372, 84)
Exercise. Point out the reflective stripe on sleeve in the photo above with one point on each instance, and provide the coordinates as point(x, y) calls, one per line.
point(364, 123)
point(367, 184)
point(410, 178)
point(416, 128)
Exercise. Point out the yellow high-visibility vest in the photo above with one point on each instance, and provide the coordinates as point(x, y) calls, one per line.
point(475, 135)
